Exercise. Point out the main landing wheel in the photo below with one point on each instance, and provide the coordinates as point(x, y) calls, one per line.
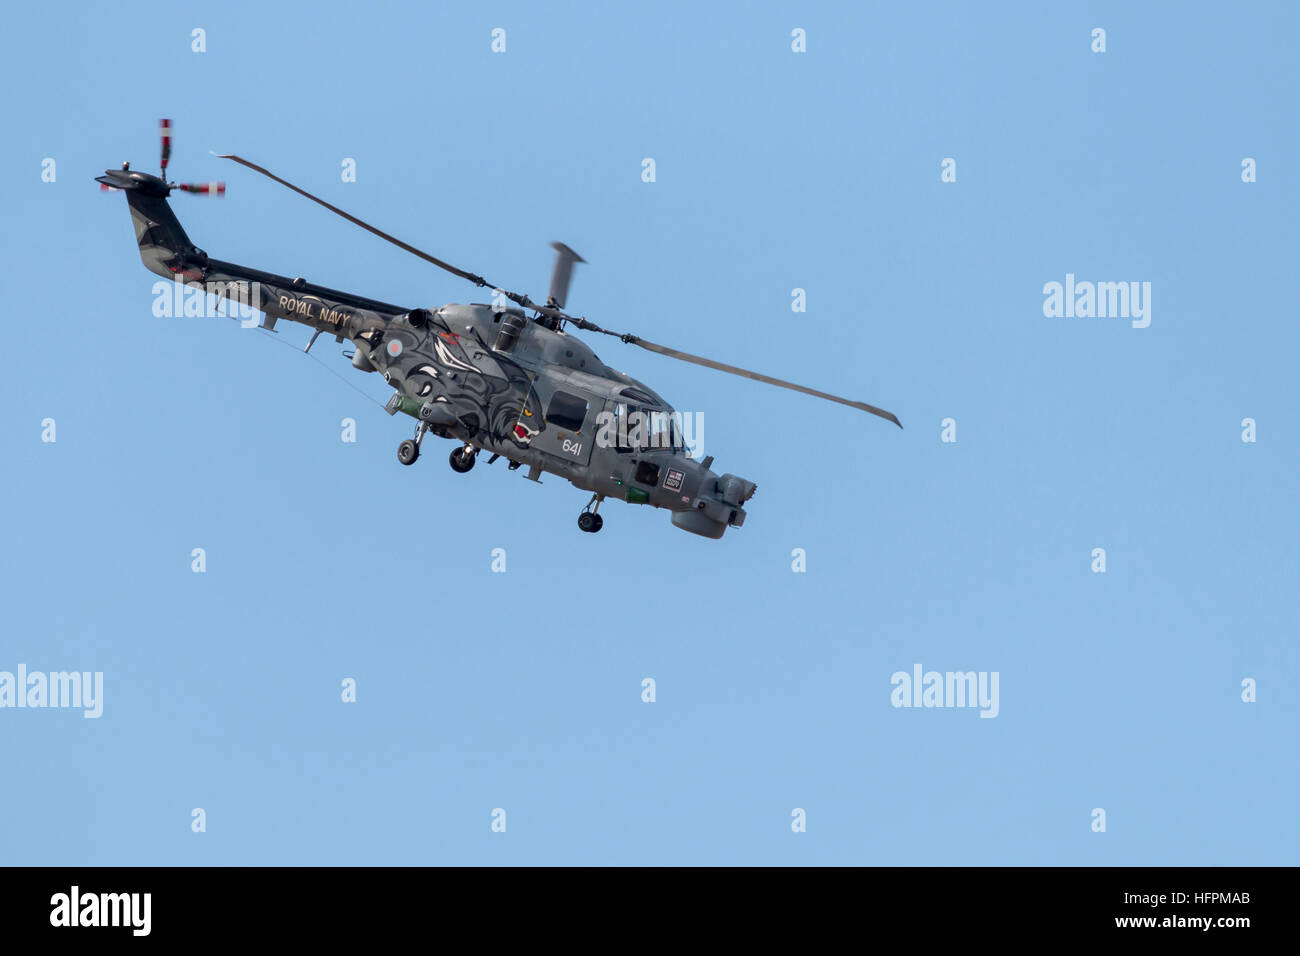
point(407, 452)
point(462, 460)
point(590, 521)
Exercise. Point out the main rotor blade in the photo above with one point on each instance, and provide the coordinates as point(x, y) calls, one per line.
point(560, 284)
point(759, 377)
point(476, 279)
point(562, 273)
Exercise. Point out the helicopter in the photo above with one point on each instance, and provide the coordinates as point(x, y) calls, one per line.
point(508, 380)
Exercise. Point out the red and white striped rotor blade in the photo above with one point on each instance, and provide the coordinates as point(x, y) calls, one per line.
point(165, 133)
point(205, 189)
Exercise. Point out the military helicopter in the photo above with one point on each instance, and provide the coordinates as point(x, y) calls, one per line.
point(491, 377)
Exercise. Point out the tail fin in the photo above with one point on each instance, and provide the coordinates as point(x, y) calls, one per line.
point(164, 246)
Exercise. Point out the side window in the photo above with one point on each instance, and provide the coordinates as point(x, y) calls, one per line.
point(566, 411)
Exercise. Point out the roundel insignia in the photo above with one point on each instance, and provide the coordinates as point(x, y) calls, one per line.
point(394, 348)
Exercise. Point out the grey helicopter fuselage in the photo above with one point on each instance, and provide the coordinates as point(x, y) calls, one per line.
point(487, 377)
point(497, 381)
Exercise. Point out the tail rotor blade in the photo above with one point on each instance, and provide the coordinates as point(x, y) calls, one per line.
point(204, 189)
point(165, 133)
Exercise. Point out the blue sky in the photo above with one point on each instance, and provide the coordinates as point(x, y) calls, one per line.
point(775, 170)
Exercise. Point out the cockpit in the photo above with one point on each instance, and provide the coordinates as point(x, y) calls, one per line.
point(640, 428)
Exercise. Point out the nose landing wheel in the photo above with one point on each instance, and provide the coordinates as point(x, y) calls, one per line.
point(462, 459)
point(589, 521)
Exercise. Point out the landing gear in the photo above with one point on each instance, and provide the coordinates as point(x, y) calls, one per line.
point(409, 450)
point(589, 521)
point(462, 459)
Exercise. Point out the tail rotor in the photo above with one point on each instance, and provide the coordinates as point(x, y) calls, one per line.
point(114, 180)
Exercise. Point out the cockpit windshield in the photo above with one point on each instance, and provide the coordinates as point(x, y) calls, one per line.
point(665, 430)
point(645, 428)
